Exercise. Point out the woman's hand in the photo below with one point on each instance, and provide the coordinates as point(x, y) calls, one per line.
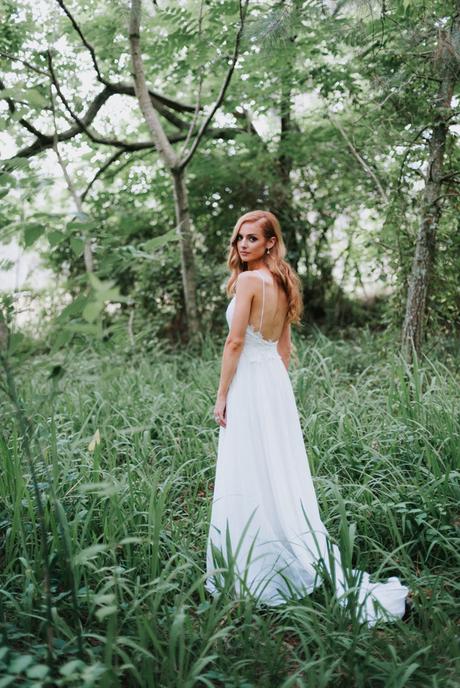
point(220, 411)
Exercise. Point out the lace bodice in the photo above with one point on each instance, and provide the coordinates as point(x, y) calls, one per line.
point(255, 347)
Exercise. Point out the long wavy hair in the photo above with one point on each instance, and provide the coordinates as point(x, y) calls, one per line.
point(282, 272)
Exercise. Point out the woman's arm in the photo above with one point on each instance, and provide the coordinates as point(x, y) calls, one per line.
point(233, 347)
point(284, 346)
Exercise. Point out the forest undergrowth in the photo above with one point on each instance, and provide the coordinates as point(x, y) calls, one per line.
point(122, 451)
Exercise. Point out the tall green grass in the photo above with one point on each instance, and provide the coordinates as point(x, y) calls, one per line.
point(124, 453)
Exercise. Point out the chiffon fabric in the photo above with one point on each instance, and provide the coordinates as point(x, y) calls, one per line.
point(265, 527)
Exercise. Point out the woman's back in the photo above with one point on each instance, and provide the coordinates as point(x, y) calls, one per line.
point(269, 307)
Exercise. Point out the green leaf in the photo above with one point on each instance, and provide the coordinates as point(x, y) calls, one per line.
point(59, 341)
point(7, 179)
point(55, 237)
point(77, 245)
point(32, 96)
point(111, 295)
point(95, 282)
point(15, 341)
point(81, 225)
point(6, 264)
point(32, 232)
point(37, 671)
point(21, 111)
point(35, 98)
point(74, 308)
point(132, 540)
point(92, 310)
point(16, 164)
point(159, 241)
point(83, 328)
point(20, 664)
point(72, 667)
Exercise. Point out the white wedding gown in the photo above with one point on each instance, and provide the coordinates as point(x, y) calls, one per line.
point(262, 487)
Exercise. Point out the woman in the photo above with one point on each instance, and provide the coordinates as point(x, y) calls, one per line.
point(266, 536)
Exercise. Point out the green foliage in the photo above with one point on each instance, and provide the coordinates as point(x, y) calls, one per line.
point(129, 453)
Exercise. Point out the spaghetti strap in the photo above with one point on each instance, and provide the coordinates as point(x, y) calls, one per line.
point(263, 302)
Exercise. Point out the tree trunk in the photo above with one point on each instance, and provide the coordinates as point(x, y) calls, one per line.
point(186, 247)
point(175, 163)
point(282, 189)
point(447, 61)
point(172, 162)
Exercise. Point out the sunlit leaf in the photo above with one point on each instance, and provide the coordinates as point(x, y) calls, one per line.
point(77, 245)
point(32, 232)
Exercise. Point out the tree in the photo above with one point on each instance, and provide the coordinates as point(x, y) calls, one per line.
point(177, 163)
point(180, 118)
point(446, 62)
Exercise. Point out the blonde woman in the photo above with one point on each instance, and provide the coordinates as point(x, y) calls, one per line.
point(266, 536)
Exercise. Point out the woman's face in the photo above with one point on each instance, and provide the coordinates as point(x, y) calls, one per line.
point(250, 242)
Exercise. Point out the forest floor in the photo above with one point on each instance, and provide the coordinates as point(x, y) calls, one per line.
point(122, 459)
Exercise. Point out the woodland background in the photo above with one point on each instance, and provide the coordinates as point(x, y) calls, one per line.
point(341, 118)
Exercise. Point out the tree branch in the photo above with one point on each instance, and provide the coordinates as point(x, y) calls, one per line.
point(30, 66)
point(128, 89)
point(151, 118)
point(113, 158)
point(162, 104)
point(87, 252)
point(82, 123)
point(359, 158)
point(84, 41)
point(185, 160)
point(22, 121)
point(200, 85)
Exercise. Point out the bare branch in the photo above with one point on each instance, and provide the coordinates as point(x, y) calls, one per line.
point(406, 155)
point(46, 141)
point(82, 123)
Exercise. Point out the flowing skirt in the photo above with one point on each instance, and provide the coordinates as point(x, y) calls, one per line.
point(265, 528)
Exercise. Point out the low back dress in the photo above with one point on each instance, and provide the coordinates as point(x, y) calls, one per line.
point(265, 523)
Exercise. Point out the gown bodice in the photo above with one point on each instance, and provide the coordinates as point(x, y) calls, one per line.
point(255, 346)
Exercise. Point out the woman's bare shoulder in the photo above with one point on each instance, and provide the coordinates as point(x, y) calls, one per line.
point(247, 275)
point(246, 278)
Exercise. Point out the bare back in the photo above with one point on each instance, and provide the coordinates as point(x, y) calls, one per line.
point(269, 308)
